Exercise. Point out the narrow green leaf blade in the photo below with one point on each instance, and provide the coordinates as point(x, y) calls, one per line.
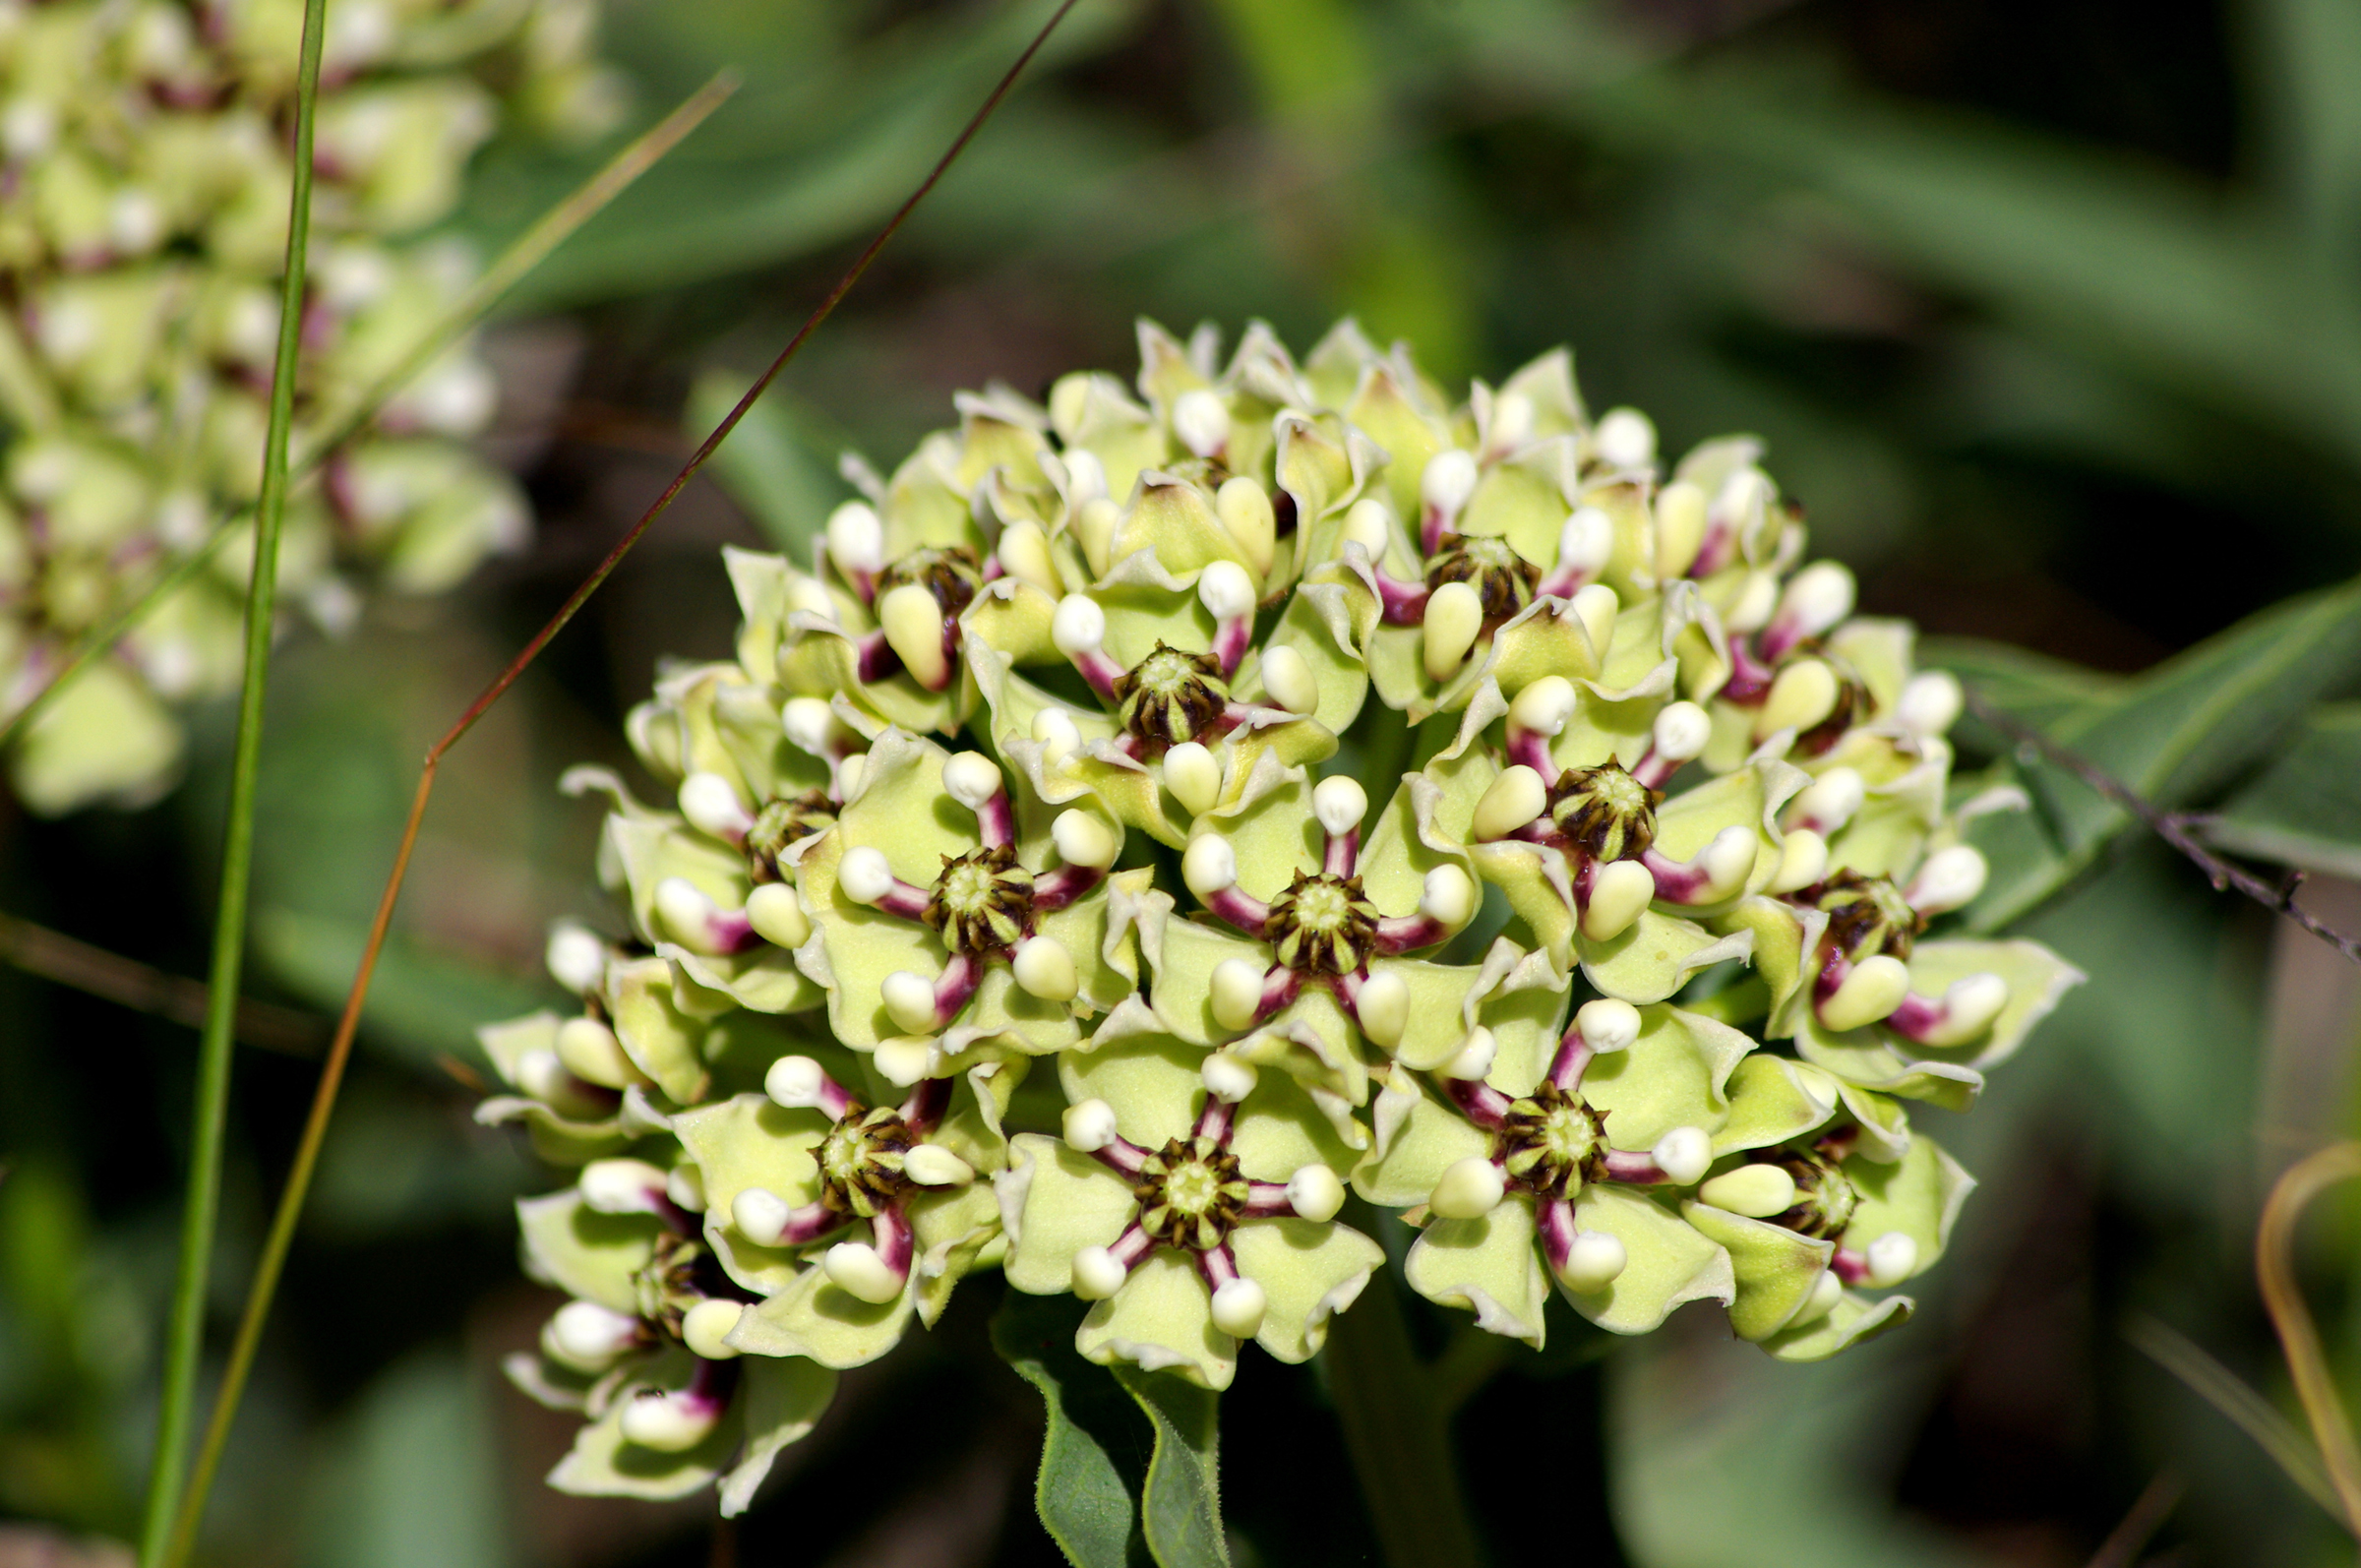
point(1091, 1456)
point(1182, 1507)
point(2304, 809)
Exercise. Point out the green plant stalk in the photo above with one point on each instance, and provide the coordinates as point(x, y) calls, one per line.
point(185, 1344)
point(1398, 1429)
point(524, 252)
point(514, 263)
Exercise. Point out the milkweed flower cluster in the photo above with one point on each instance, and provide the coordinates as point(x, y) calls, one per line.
point(144, 176)
point(1031, 891)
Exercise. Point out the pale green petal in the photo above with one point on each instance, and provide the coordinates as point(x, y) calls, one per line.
point(1656, 956)
point(1669, 1262)
point(778, 1402)
point(950, 1227)
point(1776, 1267)
point(602, 1465)
point(764, 978)
point(1865, 1059)
point(2039, 978)
point(1054, 1203)
point(1918, 1195)
point(1162, 1318)
point(572, 1247)
point(1308, 1271)
point(1672, 1077)
point(1784, 937)
point(816, 1318)
point(1540, 888)
point(1853, 1320)
point(748, 1141)
point(1773, 1099)
point(1490, 1266)
point(662, 1039)
point(1417, 1138)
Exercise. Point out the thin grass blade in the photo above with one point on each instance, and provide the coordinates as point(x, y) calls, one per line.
point(2284, 1299)
point(185, 1342)
point(2240, 1405)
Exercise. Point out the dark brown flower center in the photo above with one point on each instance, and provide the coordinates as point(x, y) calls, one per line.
point(1604, 812)
point(1171, 696)
point(1191, 1193)
point(1322, 925)
point(1552, 1142)
point(1825, 1197)
point(861, 1161)
point(1503, 579)
point(951, 574)
point(983, 901)
point(783, 821)
point(1867, 915)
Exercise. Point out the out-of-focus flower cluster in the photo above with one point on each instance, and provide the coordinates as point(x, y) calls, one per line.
point(144, 171)
point(1156, 821)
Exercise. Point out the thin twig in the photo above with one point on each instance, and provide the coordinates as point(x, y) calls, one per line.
point(2149, 1512)
point(315, 1130)
point(2175, 828)
point(55, 956)
point(2284, 1299)
point(184, 1344)
point(526, 252)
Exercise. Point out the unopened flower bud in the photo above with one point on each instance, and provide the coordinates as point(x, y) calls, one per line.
point(1970, 1004)
point(1315, 1192)
point(1596, 606)
point(1468, 1189)
point(1930, 704)
point(1544, 706)
point(759, 1215)
point(856, 1268)
point(1089, 1127)
point(1045, 969)
point(1287, 680)
point(540, 1074)
point(668, 1423)
point(1726, 863)
point(1209, 864)
point(1474, 1058)
point(1202, 421)
point(1454, 620)
point(711, 805)
point(592, 1054)
point(777, 915)
point(577, 958)
point(1594, 1262)
point(797, 1083)
point(1802, 862)
point(1607, 1025)
point(1368, 524)
point(856, 539)
point(1193, 776)
point(1085, 476)
point(931, 1165)
point(1060, 739)
point(1827, 1290)
point(1816, 599)
point(912, 622)
point(1511, 423)
point(971, 778)
point(1079, 626)
point(1679, 528)
point(1383, 1008)
point(909, 1001)
point(1804, 693)
point(1227, 1078)
point(1624, 437)
point(1024, 554)
point(1873, 989)
point(1339, 804)
point(1620, 892)
point(688, 912)
point(1238, 1306)
point(1757, 1192)
point(1950, 880)
point(1098, 1274)
point(1684, 1154)
point(1448, 894)
point(1681, 731)
point(1226, 591)
point(1515, 798)
point(1246, 515)
point(1093, 528)
point(1829, 801)
point(1447, 481)
point(864, 875)
point(904, 1059)
point(706, 1327)
point(620, 1187)
point(1750, 608)
point(589, 1337)
point(1892, 1258)
point(849, 772)
point(1234, 992)
point(1585, 541)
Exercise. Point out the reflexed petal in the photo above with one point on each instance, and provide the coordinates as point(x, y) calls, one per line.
point(1490, 1266)
point(1161, 1318)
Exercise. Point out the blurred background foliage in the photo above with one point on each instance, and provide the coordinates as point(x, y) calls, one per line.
point(2051, 317)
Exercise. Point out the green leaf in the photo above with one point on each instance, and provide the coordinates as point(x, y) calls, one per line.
point(1090, 1455)
point(422, 1005)
point(1182, 1505)
point(2173, 734)
point(2304, 809)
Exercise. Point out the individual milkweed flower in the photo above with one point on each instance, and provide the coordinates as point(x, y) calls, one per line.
point(939, 938)
point(572, 1075)
point(1537, 1158)
point(641, 1347)
point(847, 1214)
point(1811, 1221)
point(1192, 1198)
point(1321, 929)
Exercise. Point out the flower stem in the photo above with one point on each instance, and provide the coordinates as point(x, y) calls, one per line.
point(185, 1344)
point(1397, 1425)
